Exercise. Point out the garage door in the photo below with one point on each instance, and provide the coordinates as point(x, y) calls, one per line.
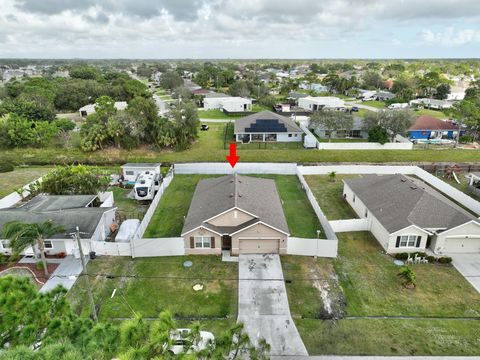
point(462, 245)
point(259, 246)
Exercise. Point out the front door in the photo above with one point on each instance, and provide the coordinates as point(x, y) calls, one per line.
point(226, 242)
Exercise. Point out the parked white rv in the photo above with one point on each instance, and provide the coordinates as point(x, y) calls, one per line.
point(147, 184)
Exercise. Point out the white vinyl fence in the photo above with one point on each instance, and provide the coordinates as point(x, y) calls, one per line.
point(364, 146)
point(111, 248)
point(14, 197)
point(240, 168)
point(153, 206)
point(312, 247)
point(158, 247)
point(349, 225)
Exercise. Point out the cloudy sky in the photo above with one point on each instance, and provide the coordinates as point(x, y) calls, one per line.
point(239, 28)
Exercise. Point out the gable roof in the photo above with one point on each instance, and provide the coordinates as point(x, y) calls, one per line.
point(427, 122)
point(68, 211)
point(265, 121)
point(398, 201)
point(255, 196)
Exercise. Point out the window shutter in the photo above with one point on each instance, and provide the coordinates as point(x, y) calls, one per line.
point(212, 242)
point(398, 242)
point(192, 242)
point(419, 240)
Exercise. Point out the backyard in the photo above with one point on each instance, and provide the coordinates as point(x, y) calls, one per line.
point(148, 286)
point(21, 176)
point(167, 220)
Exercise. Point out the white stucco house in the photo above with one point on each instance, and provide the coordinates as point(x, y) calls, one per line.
point(227, 103)
point(69, 211)
point(321, 103)
point(90, 108)
point(267, 126)
point(406, 215)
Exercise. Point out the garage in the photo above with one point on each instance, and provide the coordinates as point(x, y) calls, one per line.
point(259, 246)
point(462, 245)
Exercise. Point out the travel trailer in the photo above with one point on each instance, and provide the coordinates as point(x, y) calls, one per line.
point(146, 185)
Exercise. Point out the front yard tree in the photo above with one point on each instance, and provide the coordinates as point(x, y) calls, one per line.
point(331, 121)
point(392, 121)
point(467, 112)
point(186, 124)
point(378, 134)
point(22, 235)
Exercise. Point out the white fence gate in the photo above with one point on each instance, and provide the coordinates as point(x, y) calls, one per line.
point(158, 247)
point(312, 247)
point(349, 225)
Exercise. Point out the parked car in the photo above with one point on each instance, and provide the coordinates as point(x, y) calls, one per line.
point(182, 341)
point(355, 108)
point(204, 127)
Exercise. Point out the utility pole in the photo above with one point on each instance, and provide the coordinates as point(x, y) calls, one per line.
point(87, 279)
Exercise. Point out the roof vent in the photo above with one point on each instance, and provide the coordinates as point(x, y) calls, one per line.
point(231, 195)
point(239, 195)
point(404, 180)
point(413, 187)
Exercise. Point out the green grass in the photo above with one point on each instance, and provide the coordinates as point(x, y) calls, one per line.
point(390, 337)
point(148, 286)
point(127, 207)
point(329, 196)
point(463, 186)
point(11, 181)
point(167, 220)
point(434, 113)
point(374, 103)
point(215, 114)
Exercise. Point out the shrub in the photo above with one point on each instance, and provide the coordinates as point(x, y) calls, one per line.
point(431, 259)
point(408, 276)
point(64, 124)
point(39, 265)
point(444, 260)
point(401, 256)
point(6, 167)
point(465, 139)
point(419, 254)
point(3, 259)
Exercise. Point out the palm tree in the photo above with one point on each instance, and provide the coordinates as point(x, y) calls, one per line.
point(23, 235)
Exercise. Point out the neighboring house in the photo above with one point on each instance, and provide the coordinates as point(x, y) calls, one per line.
point(431, 103)
point(321, 103)
point(90, 108)
point(357, 131)
point(314, 87)
point(240, 214)
point(131, 171)
point(427, 127)
point(377, 96)
point(406, 215)
point(293, 95)
point(266, 126)
point(227, 103)
point(68, 211)
point(456, 93)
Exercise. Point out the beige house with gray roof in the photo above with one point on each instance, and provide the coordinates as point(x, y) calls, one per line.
point(406, 215)
point(241, 214)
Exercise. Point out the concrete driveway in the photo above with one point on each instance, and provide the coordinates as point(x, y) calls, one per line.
point(65, 274)
point(469, 266)
point(263, 305)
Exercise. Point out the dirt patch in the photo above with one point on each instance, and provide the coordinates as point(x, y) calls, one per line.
point(331, 294)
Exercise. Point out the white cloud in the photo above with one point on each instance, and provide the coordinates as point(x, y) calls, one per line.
point(451, 37)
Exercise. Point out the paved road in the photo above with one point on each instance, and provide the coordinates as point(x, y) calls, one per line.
point(65, 274)
point(469, 266)
point(263, 305)
point(362, 106)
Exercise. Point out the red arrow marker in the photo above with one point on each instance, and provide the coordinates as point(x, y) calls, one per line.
point(233, 158)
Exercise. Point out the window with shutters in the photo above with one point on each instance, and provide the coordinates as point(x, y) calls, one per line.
point(408, 241)
point(202, 242)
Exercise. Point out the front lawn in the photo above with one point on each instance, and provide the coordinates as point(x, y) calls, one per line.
point(435, 113)
point(148, 286)
point(13, 180)
point(167, 220)
point(329, 196)
point(382, 337)
point(215, 114)
point(374, 103)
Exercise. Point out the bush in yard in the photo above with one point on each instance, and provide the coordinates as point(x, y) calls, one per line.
point(401, 256)
point(378, 134)
point(431, 259)
point(444, 260)
point(39, 265)
point(408, 276)
point(6, 167)
point(465, 139)
point(419, 254)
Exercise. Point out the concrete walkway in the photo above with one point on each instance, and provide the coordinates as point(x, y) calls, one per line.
point(469, 266)
point(65, 274)
point(263, 305)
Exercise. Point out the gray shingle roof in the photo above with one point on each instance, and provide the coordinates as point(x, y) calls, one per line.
point(65, 210)
point(398, 201)
point(256, 196)
point(245, 122)
point(141, 165)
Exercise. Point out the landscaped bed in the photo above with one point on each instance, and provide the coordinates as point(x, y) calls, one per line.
point(173, 207)
point(148, 286)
